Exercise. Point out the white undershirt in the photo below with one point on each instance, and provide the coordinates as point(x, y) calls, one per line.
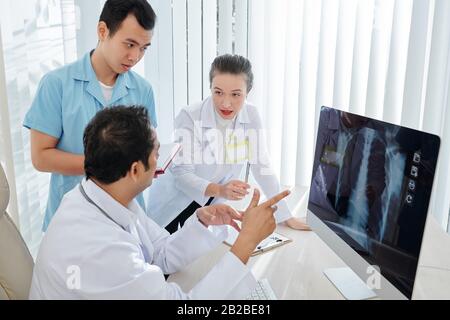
point(107, 91)
point(222, 126)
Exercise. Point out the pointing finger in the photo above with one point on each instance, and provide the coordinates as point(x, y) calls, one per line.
point(276, 199)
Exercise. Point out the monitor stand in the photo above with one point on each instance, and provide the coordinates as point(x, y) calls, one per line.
point(349, 284)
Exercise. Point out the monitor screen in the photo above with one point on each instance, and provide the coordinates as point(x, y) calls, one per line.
point(371, 185)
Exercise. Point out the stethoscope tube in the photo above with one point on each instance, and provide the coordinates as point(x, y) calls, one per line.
point(88, 199)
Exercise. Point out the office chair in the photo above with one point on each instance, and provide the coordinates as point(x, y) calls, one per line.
point(16, 262)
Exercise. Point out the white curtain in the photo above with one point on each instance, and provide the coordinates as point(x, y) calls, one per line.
point(36, 37)
point(387, 59)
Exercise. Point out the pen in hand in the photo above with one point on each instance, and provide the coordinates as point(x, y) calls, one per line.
point(247, 171)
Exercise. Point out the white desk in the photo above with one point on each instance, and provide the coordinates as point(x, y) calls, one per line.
point(295, 270)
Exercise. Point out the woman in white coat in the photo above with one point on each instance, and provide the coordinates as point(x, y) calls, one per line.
point(219, 136)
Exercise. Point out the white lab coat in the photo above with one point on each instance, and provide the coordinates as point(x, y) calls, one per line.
point(85, 255)
point(188, 178)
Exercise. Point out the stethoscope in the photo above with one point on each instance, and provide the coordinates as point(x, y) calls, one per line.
point(88, 199)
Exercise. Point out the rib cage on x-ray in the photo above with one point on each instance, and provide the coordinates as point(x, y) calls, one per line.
point(358, 209)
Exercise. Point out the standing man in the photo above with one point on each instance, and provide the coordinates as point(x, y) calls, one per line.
point(69, 97)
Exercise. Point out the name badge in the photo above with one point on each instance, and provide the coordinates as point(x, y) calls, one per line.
point(237, 151)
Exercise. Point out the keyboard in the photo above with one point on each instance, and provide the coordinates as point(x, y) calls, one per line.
point(263, 291)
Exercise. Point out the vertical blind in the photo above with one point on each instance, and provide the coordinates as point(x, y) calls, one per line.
point(36, 37)
point(386, 59)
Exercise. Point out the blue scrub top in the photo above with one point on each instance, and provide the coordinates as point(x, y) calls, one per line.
point(66, 100)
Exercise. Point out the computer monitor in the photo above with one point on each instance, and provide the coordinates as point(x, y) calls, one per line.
point(370, 189)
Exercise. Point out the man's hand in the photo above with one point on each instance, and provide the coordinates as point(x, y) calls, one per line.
point(258, 223)
point(258, 220)
point(219, 214)
point(234, 190)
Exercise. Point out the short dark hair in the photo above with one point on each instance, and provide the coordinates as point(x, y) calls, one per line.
point(116, 138)
point(234, 64)
point(115, 11)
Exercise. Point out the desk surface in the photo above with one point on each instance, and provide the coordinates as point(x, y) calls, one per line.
point(295, 270)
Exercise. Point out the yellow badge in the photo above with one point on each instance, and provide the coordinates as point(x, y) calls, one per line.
point(237, 151)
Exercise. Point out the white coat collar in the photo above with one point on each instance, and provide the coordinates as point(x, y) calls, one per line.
point(208, 119)
point(120, 214)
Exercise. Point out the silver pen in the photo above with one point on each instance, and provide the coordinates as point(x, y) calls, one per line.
point(247, 171)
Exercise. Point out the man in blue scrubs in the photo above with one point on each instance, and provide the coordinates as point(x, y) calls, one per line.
point(69, 97)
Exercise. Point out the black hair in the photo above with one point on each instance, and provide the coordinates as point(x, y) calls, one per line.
point(116, 138)
point(115, 11)
point(234, 64)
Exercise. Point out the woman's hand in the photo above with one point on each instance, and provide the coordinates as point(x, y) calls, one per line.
point(298, 224)
point(219, 214)
point(234, 190)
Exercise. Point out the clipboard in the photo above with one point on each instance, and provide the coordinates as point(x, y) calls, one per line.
point(271, 242)
point(166, 154)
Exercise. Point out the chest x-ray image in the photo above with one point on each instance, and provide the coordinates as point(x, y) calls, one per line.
point(371, 184)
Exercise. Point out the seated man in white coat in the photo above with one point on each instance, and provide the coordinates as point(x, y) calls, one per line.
point(101, 245)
